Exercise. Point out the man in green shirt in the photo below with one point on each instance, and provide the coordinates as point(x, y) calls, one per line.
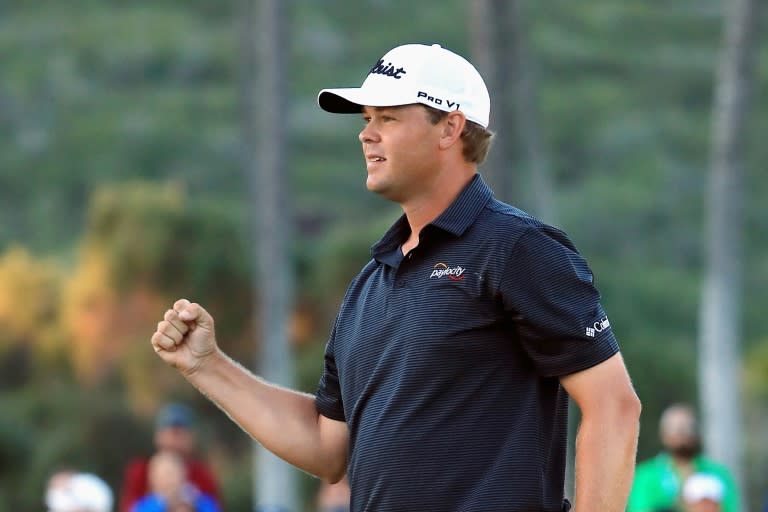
point(659, 481)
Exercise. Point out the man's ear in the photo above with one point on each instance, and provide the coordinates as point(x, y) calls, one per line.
point(453, 125)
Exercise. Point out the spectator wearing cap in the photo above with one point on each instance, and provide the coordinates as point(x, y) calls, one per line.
point(70, 491)
point(174, 432)
point(659, 481)
point(703, 492)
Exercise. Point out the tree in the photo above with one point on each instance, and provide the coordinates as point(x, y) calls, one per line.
point(500, 47)
point(489, 48)
point(720, 313)
point(264, 90)
point(526, 115)
point(130, 265)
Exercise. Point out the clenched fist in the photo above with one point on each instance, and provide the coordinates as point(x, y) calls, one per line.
point(185, 338)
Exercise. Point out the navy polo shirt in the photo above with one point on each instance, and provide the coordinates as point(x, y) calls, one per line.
point(445, 363)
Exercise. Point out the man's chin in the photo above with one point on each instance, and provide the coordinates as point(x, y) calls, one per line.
point(686, 452)
point(376, 188)
point(382, 189)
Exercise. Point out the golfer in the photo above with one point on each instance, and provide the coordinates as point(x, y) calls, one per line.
point(448, 370)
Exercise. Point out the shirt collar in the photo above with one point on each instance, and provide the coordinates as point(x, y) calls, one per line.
point(461, 214)
point(465, 208)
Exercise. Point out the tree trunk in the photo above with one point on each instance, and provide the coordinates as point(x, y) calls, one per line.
point(489, 55)
point(720, 313)
point(264, 38)
point(536, 164)
point(500, 51)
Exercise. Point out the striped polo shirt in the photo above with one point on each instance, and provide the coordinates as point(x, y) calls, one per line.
point(445, 362)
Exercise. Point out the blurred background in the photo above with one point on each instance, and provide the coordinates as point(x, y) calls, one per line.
point(165, 149)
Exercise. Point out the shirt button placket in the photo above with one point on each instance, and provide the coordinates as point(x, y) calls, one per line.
point(400, 281)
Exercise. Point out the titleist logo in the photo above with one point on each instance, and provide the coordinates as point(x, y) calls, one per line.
point(388, 70)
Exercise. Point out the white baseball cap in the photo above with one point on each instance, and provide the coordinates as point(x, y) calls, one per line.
point(702, 486)
point(416, 73)
point(80, 492)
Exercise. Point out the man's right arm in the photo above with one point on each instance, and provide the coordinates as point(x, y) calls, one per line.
point(284, 421)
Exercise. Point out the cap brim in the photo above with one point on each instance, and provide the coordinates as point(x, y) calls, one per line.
point(351, 100)
point(340, 101)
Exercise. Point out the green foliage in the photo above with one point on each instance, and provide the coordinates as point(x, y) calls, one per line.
point(64, 428)
point(756, 372)
point(153, 234)
point(340, 255)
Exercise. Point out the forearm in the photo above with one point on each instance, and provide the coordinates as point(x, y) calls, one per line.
point(605, 460)
point(284, 421)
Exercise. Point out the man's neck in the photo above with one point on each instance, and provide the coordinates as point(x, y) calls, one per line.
point(422, 210)
point(683, 466)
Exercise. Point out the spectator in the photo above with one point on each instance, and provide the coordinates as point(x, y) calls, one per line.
point(69, 491)
point(170, 489)
point(174, 432)
point(58, 481)
point(703, 493)
point(658, 483)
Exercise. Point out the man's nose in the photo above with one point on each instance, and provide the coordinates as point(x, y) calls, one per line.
point(368, 134)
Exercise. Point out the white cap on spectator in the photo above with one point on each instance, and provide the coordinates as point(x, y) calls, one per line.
point(702, 486)
point(82, 492)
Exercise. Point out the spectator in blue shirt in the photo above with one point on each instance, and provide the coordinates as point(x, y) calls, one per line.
point(171, 491)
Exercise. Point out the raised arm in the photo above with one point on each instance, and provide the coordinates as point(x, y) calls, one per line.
point(285, 422)
point(606, 443)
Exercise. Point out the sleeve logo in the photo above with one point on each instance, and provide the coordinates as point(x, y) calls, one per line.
point(598, 326)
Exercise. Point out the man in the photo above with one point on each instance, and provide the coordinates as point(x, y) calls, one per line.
point(171, 490)
point(659, 481)
point(449, 366)
point(174, 432)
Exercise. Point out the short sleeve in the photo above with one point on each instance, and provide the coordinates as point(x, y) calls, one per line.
point(548, 291)
point(328, 397)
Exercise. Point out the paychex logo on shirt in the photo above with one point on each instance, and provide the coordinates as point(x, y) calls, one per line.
point(441, 270)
